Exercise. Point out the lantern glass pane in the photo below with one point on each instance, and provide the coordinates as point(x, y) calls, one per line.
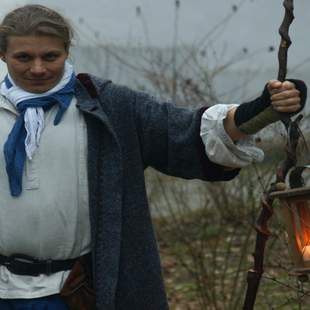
point(295, 212)
point(302, 222)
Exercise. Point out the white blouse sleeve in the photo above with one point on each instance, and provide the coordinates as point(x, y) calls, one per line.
point(218, 145)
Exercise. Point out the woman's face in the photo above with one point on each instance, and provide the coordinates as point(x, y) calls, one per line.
point(35, 63)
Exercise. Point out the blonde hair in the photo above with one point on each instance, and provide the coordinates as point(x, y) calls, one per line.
point(35, 20)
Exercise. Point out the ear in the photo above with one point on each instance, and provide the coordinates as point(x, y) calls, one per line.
point(2, 57)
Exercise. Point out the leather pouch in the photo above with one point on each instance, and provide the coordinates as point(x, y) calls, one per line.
point(77, 291)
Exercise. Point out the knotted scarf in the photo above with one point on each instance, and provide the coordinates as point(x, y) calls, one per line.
point(29, 124)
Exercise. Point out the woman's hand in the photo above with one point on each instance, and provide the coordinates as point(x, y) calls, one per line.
point(276, 100)
point(285, 97)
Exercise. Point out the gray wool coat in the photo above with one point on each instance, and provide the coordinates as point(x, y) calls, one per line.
point(129, 131)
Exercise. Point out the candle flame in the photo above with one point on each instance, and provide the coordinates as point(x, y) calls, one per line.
point(306, 253)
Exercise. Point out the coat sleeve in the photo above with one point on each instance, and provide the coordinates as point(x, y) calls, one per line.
point(170, 140)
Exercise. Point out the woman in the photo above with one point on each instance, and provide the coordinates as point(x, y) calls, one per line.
point(72, 184)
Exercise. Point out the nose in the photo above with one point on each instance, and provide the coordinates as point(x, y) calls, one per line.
point(38, 67)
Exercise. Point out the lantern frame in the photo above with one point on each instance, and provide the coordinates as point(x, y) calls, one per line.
point(294, 210)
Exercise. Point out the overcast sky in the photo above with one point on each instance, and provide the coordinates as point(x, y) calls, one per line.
point(254, 25)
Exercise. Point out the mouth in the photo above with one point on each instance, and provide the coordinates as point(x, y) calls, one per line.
point(38, 80)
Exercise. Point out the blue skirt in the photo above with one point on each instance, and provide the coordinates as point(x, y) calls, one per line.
point(53, 302)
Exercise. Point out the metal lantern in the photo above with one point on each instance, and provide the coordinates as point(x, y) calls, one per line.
point(295, 211)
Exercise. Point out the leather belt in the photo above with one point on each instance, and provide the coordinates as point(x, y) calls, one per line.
point(25, 265)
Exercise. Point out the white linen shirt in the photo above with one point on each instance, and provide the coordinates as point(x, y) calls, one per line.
point(50, 220)
point(219, 147)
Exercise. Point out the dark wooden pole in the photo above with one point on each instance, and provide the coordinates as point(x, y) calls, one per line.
point(261, 226)
point(285, 38)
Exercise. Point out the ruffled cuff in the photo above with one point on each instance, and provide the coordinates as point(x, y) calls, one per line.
point(219, 146)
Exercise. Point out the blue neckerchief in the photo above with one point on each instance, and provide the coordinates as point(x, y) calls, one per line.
point(8, 82)
point(14, 147)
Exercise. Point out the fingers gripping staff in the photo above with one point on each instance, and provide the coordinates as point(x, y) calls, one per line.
point(253, 116)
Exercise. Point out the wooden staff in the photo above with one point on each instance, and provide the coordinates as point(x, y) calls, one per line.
point(261, 226)
point(285, 38)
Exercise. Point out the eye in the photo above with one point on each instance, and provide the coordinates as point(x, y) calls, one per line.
point(51, 56)
point(23, 57)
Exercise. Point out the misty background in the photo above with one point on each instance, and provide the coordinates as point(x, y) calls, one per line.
point(114, 36)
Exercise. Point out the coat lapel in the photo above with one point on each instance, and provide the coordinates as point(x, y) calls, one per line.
point(105, 195)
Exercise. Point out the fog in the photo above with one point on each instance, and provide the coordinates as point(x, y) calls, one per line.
point(253, 26)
